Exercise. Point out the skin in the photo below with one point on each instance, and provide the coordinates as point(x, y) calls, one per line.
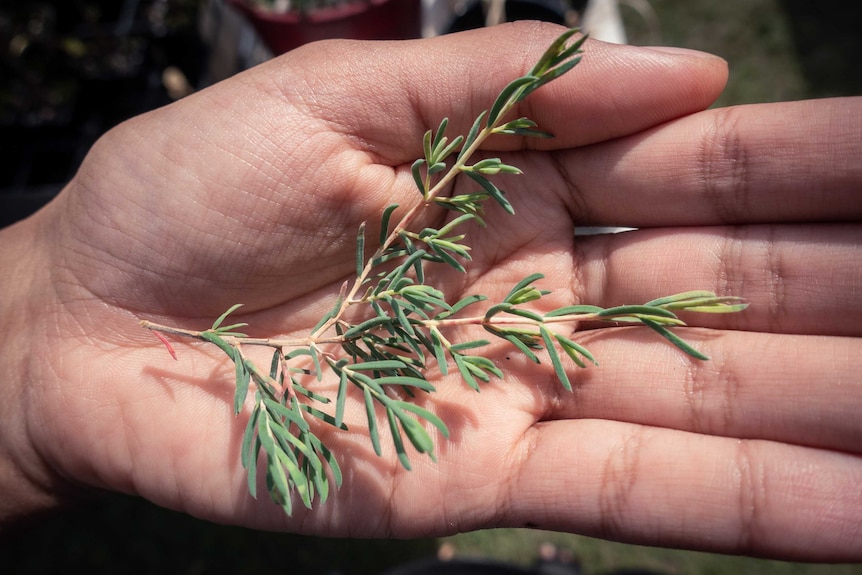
point(252, 191)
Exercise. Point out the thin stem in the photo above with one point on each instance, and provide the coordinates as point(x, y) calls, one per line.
point(407, 220)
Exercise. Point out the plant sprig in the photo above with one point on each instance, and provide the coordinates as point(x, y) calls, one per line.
point(385, 349)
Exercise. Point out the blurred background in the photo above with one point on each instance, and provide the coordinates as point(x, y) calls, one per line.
point(72, 69)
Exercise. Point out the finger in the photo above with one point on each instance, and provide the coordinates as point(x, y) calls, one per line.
point(797, 279)
point(394, 93)
point(802, 390)
point(792, 161)
point(659, 487)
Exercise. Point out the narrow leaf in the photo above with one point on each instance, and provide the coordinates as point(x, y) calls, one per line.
point(408, 381)
point(378, 365)
point(384, 222)
point(574, 310)
point(662, 301)
point(575, 351)
point(635, 310)
point(416, 170)
point(472, 135)
point(505, 97)
point(441, 155)
point(466, 372)
point(552, 53)
point(366, 326)
point(674, 339)
point(493, 191)
point(432, 418)
point(439, 352)
point(323, 416)
point(243, 377)
point(469, 345)
point(340, 399)
point(372, 421)
point(555, 358)
point(439, 137)
point(360, 249)
point(223, 316)
point(522, 346)
point(397, 440)
point(524, 283)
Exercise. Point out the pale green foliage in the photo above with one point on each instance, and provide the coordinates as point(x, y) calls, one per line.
point(386, 354)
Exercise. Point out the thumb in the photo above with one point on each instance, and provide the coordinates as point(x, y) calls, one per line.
point(387, 95)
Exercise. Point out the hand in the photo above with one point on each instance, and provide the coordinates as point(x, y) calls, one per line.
point(252, 192)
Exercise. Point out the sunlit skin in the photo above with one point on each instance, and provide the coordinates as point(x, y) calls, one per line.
point(252, 191)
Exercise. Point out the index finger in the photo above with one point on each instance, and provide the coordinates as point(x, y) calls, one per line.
point(764, 163)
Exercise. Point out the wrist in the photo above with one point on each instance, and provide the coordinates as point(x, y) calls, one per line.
point(28, 486)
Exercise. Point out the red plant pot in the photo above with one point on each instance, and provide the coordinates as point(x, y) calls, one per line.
point(373, 20)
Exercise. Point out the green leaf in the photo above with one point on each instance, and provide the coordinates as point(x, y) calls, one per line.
point(371, 414)
point(574, 310)
point(550, 76)
point(323, 416)
point(249, 450)
point(443, 254)
point(439, 352)
point(495, 309)
point(426, 145)
point(400, 315)
point(277, 356)
point(484, 364)
point(439, 138)
point(472, 135)
point(416, 170)
point(552, 53)
point(366, 326)
point(522, 127)
point(466, 372)
point(680, 297)
point(636, 310)
point(445, 230)
point(522, 284)
point(384, 222)
point(716, 308)
point(280, 410)
point(330, 459)
point(492, 167)
point(223, 316)
point(426, 415)
point(461, 304)
point(548, 338)
point(213, 338)
point(469, 345)
point(674, 339)
point(575, 351)
point(301, 389)
point(397, 440)
point(493, 191)
point(524, 313)
point(408, 381)
point(360, 249)
point(441, 155)
point(522, 346)
point(243, 377)
point(505, 97)
point(340, 399)
point(383, 365)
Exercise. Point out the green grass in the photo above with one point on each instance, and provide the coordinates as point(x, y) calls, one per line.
point(776, 49)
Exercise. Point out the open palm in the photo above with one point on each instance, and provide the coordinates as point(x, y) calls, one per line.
point(252, 192)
